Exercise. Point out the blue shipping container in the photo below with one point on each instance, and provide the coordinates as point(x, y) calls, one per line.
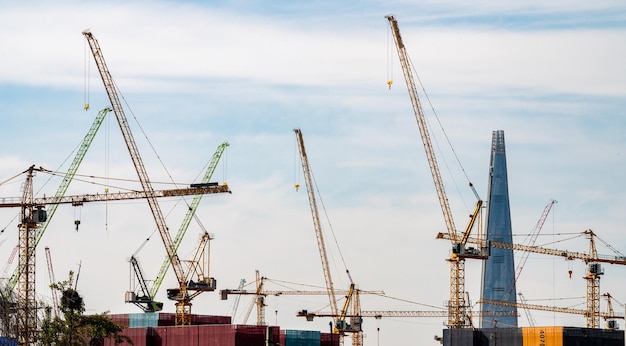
point(302, 338)
point(149, 319)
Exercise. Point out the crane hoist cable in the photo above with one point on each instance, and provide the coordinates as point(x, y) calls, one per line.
point(86, 78)
point(389, 58)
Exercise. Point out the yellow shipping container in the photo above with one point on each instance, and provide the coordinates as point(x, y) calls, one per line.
point(542, 336)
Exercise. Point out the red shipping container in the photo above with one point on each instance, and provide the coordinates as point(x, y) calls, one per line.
point(222, 335)
point(139, 336)
point(182, 336)
point(328, 339)
point(121, 319)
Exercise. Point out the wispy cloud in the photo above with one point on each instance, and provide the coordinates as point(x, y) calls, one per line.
point(194, 75)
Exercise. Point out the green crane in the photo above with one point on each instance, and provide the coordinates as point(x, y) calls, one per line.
point(147, 304)
point(80, 155)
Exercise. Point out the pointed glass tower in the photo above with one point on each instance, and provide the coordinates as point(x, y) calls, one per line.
point(498, 281)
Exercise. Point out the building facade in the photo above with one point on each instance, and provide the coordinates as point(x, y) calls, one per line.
point(498, 278)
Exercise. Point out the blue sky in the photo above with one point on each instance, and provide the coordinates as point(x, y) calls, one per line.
point(195, 74)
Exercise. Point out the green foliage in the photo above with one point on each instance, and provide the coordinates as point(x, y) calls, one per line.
point(74, 328)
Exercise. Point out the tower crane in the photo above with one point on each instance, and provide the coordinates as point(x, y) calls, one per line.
point(65, 183)
point(183, 298)
point(531, 242)
point(29, 238)
point(610, 323)
point(260, 293)
point(142, 299)
point(145, 300)
point(316, 222)
point(378, 314)
point(592, 259)
point(531, 320)
point(458, 307)
point(339, 316)
point(242, 282)
point(606, 315)
point(33, 214)
point(5, 270)
point(55, 298)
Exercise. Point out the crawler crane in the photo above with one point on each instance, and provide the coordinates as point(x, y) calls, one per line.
point(458, 305)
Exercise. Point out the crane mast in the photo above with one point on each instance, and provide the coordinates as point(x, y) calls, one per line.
point(261, 293)
point(316, 222)
point(55, 298)
point(65, 183)
point(423, 128)
point(183, 305)
point(594, 269)
point(111, 91)
point(585, 312)
point(33, 215)
point(190, 214)
point(458, 305)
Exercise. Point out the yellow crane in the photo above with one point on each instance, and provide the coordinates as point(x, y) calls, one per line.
point(592, 259)
point(458, 305)
point(182, 296)
point(261, 293)
point(316, 222)
point(33, 214)
point(609, 315)
point(339, 316)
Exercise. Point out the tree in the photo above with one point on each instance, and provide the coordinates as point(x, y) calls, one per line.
point(8, 324)
point(74, 328)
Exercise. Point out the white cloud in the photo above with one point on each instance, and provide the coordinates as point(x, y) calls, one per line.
point(196, 76)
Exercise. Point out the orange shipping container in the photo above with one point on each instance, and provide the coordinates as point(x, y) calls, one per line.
point(542, 336)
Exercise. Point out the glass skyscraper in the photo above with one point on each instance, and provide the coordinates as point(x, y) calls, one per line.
point(498, 281)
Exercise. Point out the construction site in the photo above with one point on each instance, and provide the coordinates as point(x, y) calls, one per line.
point(483, 242)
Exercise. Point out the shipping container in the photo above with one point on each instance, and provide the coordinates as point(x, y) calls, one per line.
point(121, 319)
point(459, 337)
point(592, 337)
point(216, 335)
point(182, 336)
point(300, 338)
point(532, 336)
point(147, 319)
point(547, 336)
point(139, 336)
point(8, 341)
point(501, 336)
point(328, 339)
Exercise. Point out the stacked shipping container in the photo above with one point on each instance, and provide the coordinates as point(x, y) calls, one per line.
point(531, 336)
point(159, 330)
